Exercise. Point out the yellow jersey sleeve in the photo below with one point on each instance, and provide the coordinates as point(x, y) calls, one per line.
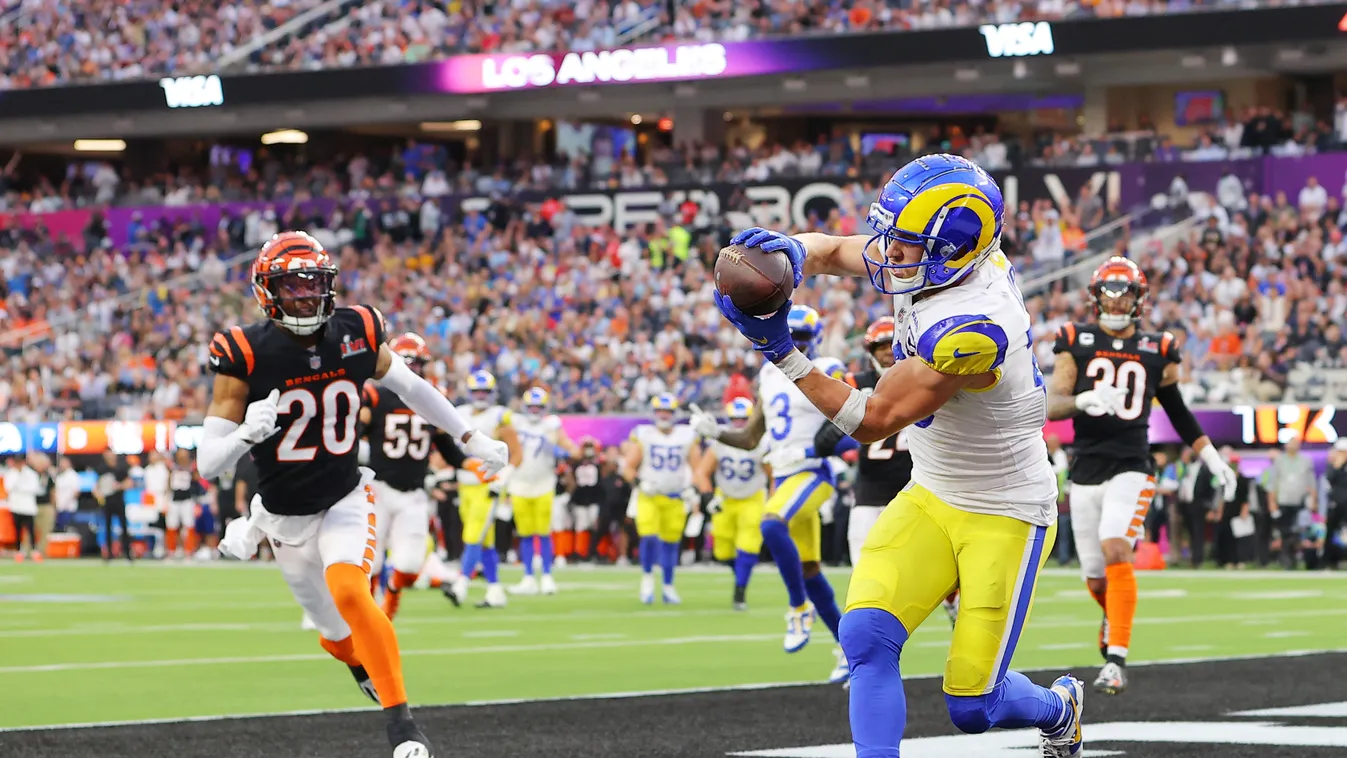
point(964, 345)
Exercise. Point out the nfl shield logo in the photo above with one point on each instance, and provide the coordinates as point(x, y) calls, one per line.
point(315, 361)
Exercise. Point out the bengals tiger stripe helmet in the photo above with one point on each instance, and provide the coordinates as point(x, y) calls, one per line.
point(1118, 290)
point(294, 281)
point(412, 349)
point(879, 341)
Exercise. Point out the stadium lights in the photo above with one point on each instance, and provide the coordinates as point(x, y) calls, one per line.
point(858, 81)
point(966, 74)
point(100, 145)
point(1068, 68)
point(1229, 57)
point(285, 137)
point(685, 90)
point(1020, 70)
point(466, 125)
point(1192, 61)
point(794, 85)
point(636, 119)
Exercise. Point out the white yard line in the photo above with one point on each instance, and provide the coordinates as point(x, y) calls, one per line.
point(601, 696)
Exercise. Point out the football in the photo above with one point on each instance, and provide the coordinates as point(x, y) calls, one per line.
point(757, 282)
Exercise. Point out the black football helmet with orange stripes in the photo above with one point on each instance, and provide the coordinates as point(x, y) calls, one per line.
point(411, 348)
point(1118, 290)
point(295, 281)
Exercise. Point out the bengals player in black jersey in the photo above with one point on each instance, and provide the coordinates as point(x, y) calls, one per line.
point(1106, 376)
point(287, 391)
point(399, 453)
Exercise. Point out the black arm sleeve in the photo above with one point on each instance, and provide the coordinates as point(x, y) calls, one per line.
point(1184, 423)
point(448, 449)
point(826, 439)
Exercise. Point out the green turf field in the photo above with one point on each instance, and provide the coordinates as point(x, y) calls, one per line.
point(83, 642)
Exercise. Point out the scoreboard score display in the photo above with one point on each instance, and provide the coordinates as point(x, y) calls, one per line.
point(1273, 425)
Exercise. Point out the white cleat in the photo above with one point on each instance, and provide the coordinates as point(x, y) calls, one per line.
point(460, 588)
point(548, 585)
point(799, 624)
point(841, 673)
point(1112, 679)
point(411, 750)
point(527, 586)
point(671, 595)
point(648, 589)
point(1066, 741)
point(951, 609)
point(495, 597)
point(307, 624)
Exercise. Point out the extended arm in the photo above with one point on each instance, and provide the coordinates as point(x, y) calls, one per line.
point(830, 254)
point(1062, 388)
point(905, 394)
point(420, 395)
point(748, 437)
point(631, 462)
point(703, 471)
point(223, 438)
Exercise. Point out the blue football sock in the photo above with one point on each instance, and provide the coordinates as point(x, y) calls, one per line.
point(668, 560)
point(545, 547)
point(825, 603)
point(873, 642)
point(649, 553)
point(472, 554)
point(526, 554)
point(490, 562)
point(743, 567)
point(776, 534)
point(1015, 703)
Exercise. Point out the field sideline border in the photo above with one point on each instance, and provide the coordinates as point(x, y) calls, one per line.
point(607, 695)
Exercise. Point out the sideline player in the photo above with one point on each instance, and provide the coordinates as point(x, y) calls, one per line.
point(287, 391)
point(186, 491)
point(980, 511)
point(533, 488)
point(791, 525)
point(400, 442)
point(1113, 372)
point(586, 491)
point(735, 501)
point(476, 496)
point(662, 457)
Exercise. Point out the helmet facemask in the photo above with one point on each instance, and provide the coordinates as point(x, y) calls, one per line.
point(664, 420)
point(1118, 304)
point(301, 300)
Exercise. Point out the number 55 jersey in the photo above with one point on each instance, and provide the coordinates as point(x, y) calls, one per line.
point(310, 464)
point(1109, 445)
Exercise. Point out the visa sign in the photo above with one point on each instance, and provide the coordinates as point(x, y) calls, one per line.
point(192, 91)
point(1018, 40)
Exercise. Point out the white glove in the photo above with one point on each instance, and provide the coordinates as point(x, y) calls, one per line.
point(691, 498)
point(1100, 401)
point(494, 454)
point(715, 505)
point(259, 421)
point(704, 423)
point(783, 457)
point(240, 540)
point(1225, 476)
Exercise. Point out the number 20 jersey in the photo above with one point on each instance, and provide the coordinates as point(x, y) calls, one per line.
point(1109, 445)
point(310, 464)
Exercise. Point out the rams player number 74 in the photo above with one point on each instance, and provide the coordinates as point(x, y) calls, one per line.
point(980, 511)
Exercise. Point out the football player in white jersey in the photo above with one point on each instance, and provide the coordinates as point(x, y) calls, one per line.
point(980, 511)
point(476, 501)
point(659, 465)
point(735, 500)
point(533, 487)
point(791, 525)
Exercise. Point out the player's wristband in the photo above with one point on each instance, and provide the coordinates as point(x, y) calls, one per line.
point(795, 365)
point(852, 413)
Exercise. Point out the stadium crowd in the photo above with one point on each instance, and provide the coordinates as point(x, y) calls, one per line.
point(51, 42)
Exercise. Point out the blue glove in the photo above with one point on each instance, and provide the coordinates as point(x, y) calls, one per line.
point(774, 242)
point(770, 336)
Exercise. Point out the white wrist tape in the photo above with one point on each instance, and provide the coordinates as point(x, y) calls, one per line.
point(852, 412)
point(795, 366)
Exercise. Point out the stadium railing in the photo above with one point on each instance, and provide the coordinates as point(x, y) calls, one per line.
point(649, 20)
point(313, 20)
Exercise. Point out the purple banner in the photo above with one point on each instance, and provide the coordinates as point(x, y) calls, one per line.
point(67, 224)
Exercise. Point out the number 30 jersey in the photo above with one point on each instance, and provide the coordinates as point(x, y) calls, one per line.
point(1109, 445)
point(983, 450)
point(664, 457)
point(310, 464)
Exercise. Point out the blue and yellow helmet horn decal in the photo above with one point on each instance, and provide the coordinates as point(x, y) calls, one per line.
point(805, 327)
point(832, 367)
point(481, 381)
point(664, 401)
point(946, 204)
point(536, 398)
point(739, 408)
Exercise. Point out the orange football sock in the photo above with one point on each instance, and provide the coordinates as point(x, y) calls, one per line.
point(564, 542)
point(393, 597)
point(582, 544)
point(1121, 607)
point(1101, 598)
point(342, 650)
point(171, 539)
point(375, 642)
point(190, 541)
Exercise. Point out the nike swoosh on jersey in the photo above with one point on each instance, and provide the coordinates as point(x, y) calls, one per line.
point(215, 360)
point(958, 353)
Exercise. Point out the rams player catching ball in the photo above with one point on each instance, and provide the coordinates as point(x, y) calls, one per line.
point(980, 511)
